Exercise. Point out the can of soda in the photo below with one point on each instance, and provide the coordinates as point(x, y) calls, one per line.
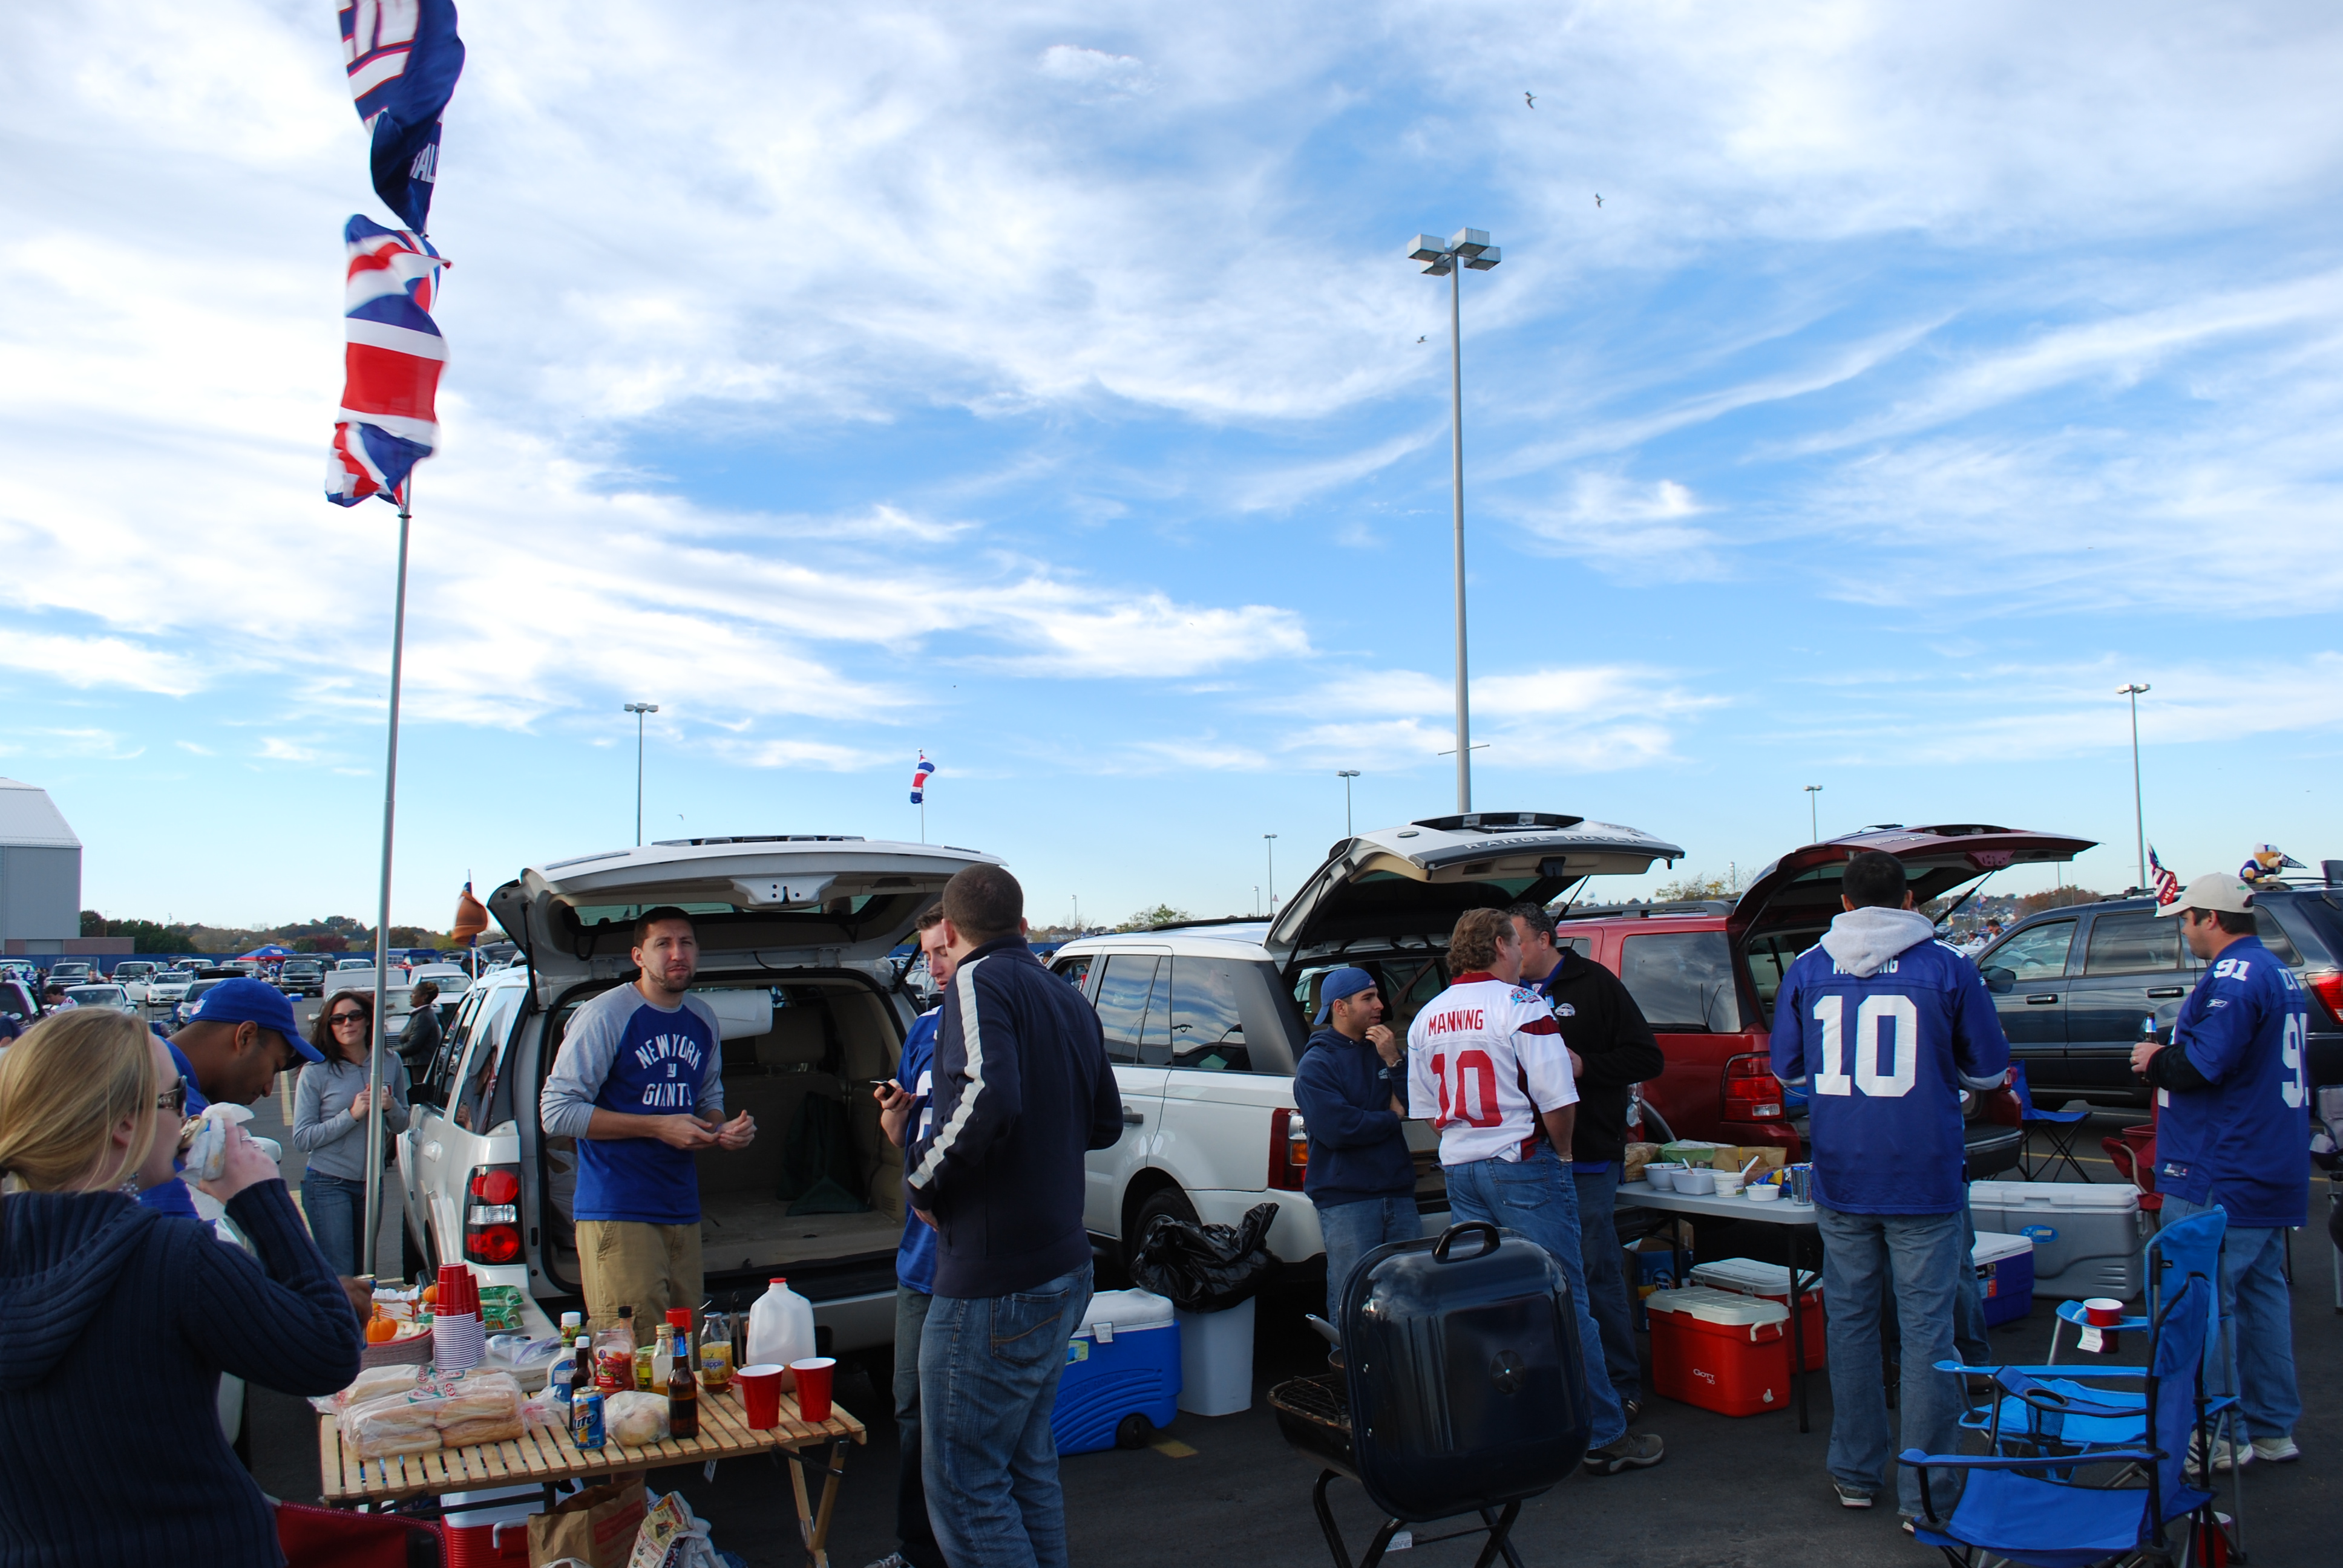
point(585, 1419)
point(1801, 1184)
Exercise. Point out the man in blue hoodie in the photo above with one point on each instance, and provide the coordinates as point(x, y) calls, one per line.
point(1352, 1091)
point(1022, 1090)
point(1883, 1021)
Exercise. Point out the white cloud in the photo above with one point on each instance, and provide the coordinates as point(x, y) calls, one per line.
point(1620, 526)
point(1095, 68)
point(87, 661)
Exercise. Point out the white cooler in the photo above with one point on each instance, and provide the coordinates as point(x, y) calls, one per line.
point(2087, 1235)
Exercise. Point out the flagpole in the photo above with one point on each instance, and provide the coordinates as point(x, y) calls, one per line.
point(382, 907)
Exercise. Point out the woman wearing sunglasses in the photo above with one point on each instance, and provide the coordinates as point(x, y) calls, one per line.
point(116, 1322)
point(331, 1109)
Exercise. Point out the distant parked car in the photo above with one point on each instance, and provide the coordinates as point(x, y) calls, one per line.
point(69, 972)
point(187, 1005)
point(134, 976)
point(301, 976)
point(102, 996)
point(169, 987)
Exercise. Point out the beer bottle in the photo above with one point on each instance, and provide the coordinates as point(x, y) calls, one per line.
point(682, 1392)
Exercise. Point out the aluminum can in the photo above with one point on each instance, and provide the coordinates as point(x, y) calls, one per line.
point(585, 1419)
point(1801, 1184)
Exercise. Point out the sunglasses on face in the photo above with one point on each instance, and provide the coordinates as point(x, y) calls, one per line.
point(353, 1018)
point(174, 1099)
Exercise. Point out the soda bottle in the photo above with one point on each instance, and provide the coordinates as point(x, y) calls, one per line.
point(716, 1351)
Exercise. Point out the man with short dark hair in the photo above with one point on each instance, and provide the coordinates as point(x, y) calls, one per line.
point(421, 1041)
point(1351, 1088)
point(2234, 1123)
point(1885, 1020)
point(1611, 1049)
point(243, 1034)
point(639, 1083)
point(1023, 1091)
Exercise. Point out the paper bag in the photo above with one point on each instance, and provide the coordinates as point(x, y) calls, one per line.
point(597, 1527)
point(1636, 1156)
point(1768, 1157)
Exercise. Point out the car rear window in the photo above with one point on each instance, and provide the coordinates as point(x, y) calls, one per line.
point(1207, 1024)
point(1683, 981)
point(2131, 943)
point(1133, 1014)
point(2273, 937)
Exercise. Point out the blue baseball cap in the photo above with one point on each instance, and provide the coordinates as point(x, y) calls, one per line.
point(1338, 985)
point(254, 1001)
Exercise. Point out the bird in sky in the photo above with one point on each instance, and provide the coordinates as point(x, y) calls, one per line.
point(1530, 98)
point(1598, 198)
point(1419, 340)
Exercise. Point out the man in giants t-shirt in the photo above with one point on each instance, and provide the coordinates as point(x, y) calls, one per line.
point(640, 1084)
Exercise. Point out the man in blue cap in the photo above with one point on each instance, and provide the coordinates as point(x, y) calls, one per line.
point(1352, 1090)
point(242, 1036)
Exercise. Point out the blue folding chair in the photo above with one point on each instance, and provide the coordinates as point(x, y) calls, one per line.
point(2030, 1509)
point(2057, 1126)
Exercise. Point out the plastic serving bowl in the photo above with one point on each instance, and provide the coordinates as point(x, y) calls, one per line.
point(1764, 1193)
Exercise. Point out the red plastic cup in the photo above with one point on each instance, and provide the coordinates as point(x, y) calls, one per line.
point(813, 1387)
point(453, 1279)
point(761, 1392)
point(2103, 1312)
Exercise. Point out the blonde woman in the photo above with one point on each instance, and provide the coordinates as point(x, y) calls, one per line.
point(116, 1322)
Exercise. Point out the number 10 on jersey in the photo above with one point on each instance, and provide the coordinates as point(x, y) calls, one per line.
point(1886, 1059)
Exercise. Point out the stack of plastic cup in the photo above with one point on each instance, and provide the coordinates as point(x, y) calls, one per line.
point(458, 1342)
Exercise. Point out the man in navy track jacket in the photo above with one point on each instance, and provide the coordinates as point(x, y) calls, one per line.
point(1021, 1091)
point(1351, 1088)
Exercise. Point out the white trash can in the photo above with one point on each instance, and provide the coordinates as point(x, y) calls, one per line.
point(1216, 1360)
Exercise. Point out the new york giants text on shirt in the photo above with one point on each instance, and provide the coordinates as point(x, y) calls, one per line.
point(683, 1059)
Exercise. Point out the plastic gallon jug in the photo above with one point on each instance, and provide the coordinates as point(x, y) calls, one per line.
point(780, 1330)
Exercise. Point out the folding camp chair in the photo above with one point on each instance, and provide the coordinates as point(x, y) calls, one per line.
point(2029, 1508)
point(2057, 1126)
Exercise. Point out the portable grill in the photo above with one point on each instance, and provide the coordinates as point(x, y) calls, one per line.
point(1462, 1391)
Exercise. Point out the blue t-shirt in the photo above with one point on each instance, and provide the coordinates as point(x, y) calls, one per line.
point(172, 1197)
point(620, 1054)
point(2242, 1142)
point(915, 1258)
point(1883, 1055)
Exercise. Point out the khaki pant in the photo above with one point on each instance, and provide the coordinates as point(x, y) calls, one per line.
point(628, 1263)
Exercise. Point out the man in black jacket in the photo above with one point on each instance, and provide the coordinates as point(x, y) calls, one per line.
point(1611, 1049)
point(1020, 1091)
point(1352, 1091)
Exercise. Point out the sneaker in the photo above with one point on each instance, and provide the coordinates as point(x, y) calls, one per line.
point(1910, 1525)
point(1851, 1496)
point(2227, 1454)
point(1631, 1408)
point(2276, 1450)
point(1635, 1451)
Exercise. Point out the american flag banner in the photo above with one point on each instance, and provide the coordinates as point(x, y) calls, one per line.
point(2167, 885)
point(391, 362)
point(919, 776)
point(403, 57)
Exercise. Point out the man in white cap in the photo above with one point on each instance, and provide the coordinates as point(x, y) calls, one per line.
point(2233, 1130)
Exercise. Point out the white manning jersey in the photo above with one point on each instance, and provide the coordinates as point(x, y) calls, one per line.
point(1484, 1058)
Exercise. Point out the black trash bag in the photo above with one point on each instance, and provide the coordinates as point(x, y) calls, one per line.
point(1206, 1268)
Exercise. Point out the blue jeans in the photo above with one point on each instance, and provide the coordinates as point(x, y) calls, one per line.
point(1920, 1258)
point(1969, 1327)
point(2253, 1297)
point(336, 1209)
point(989, 1369)
point(1535, 1198)
point(1606, 1281)
point(915, 1538)
point(1353, 1230)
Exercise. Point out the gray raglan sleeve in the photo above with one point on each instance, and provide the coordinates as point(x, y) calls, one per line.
point(712, 1081)
point(565, 1108)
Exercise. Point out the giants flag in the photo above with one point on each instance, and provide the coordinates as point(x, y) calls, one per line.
point(403, 59)
point(919, 776)
point(2167, 885)
point(386, 423)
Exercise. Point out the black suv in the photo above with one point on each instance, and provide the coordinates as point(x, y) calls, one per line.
point(2074, 985)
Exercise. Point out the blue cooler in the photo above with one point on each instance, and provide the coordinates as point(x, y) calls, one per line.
point(2004, 1266)
point(1122, 1374)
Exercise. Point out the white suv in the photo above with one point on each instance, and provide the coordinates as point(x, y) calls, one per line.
point(1205, 1022)
point(794, 937)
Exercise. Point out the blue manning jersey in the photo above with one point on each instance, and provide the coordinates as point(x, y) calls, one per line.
point(2241, 1142)
point(915, 1258)
point(1883, 1055)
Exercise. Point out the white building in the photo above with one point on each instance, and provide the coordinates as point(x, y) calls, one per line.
point(40, 872)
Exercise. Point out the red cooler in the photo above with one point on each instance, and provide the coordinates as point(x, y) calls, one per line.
point(1749, 1277)
point(489, 1529)
point(1722, 1352)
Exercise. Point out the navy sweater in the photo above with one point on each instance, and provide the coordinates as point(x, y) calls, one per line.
point(1022, 1090)
point(115, 1323)
point(1357, 1148)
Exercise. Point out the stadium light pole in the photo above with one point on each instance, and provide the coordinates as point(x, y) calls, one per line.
point(1814, 814)
point(1269, 841)
point(1467, 247)
point(1346, 774)
point(639, 709)
point(2138, 818)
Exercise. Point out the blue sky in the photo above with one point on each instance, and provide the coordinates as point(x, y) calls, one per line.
point(1041, 387)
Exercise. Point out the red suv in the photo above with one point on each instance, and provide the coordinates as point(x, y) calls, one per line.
point(1705, 974)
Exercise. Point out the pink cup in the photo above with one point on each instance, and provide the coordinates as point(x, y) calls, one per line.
point(761, 1392)
point(813, 1387)
point(2103, 1312)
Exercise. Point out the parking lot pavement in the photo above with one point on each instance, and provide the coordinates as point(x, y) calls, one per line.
point(1732, 1493)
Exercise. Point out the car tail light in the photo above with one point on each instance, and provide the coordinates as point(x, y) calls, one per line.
point(1751, 1092)
point(1288, 1150)
point(492, 1214)
point(2327, 986)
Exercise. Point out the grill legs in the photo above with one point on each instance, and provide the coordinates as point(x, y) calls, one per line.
point(1498, 1524)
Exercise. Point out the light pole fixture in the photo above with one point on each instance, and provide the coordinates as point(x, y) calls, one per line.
point(1814, 815)
point(1346, 774)
point(1269, 842)
point(1466, 248)
point(639, 709)
point(2138, 818)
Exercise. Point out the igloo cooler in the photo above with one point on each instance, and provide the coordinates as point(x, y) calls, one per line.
point(1750, 1277)
point(2086, 1235)
point(1123, 1373)
point(2005, 1269)
point(1722, 1352)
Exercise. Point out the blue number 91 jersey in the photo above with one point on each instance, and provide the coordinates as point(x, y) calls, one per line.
point(1884, 1055)
point(2242, 1141)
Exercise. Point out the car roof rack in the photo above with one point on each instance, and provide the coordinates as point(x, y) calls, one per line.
point(1645, 911)
point(1192, 925)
